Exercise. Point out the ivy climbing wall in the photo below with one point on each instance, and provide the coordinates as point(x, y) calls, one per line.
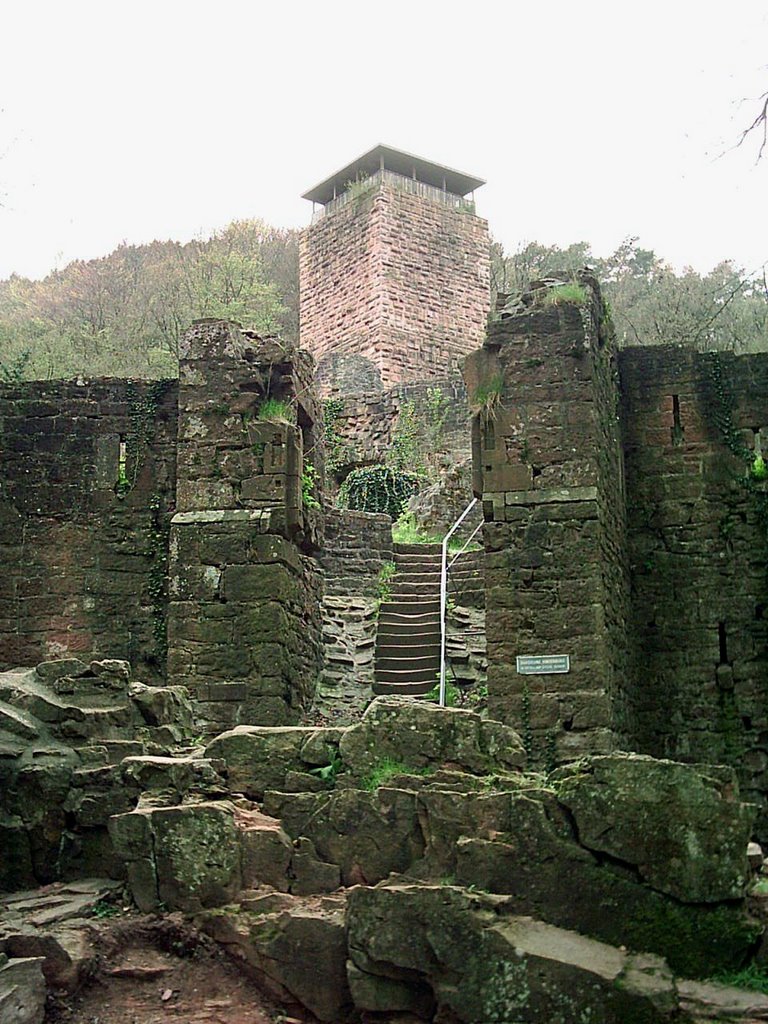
point(87, 482)
point(695, 427)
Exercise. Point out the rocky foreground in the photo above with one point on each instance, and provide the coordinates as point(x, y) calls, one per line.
point(405, 869)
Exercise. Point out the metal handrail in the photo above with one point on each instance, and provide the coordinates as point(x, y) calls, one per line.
point(444, 588)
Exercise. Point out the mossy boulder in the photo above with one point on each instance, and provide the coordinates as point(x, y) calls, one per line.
point(482, 964)
point(419, 734)
point(681, 827)
point(259, 758)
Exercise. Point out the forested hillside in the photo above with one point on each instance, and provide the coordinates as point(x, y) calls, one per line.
point(123, 315)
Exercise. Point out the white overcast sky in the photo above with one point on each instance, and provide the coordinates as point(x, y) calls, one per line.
point(590, 120)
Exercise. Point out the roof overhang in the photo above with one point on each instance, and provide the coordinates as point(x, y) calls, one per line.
point(401, 163)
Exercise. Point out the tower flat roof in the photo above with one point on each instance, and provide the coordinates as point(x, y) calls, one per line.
point(401, 163)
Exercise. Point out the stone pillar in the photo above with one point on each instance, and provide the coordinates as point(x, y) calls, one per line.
point(547, 462)
point(244, 631)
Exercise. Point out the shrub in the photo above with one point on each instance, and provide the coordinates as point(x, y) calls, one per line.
point(378, 489)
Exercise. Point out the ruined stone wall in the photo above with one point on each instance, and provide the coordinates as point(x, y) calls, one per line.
point(84, 554)
point(356, 546)
point(397, 283)
point(244, 627)
point(697, 537)
point(360, 428)
point(548, 466)
point(244, 617)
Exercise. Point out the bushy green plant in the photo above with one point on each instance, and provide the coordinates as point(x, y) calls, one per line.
point(452, 695)
point(358, 187)
point(758, 469)
point(275, 410)
point(404, 451)
point(378, 489)
point(338, 452)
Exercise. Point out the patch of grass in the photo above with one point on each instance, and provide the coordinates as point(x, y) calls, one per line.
point(274, 410)
point(566, 293)
point(753, 977)
point(406, 530)
point(388, 768)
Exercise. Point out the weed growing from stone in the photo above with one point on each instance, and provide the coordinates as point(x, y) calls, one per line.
point(274, 410)
point(752, 976)
point(308, 483)
point(328, 772)
point(384, 591)
point(486, 398)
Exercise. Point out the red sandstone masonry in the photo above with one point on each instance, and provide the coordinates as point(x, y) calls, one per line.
point(398, 279)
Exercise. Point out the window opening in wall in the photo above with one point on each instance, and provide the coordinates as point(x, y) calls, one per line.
point(677, 426)
point(122, 485)
point(723, 640)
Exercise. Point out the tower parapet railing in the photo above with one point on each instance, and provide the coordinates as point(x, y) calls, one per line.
point(354, 189)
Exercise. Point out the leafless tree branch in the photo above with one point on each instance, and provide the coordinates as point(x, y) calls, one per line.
point(759, 125)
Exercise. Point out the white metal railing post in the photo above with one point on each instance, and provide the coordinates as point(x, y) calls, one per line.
point(444, 590)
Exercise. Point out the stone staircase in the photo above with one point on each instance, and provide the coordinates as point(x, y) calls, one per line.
point(407, 656)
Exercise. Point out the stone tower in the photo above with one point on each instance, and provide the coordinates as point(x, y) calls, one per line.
point(394, 272)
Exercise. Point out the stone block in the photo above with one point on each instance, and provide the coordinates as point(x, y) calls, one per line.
point(22, 991)
point(683, 826)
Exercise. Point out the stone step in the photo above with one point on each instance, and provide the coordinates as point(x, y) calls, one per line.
point(417, 577)
point(425, 591)
point(17, 722)
point(417, 675)
point(393, 641)
point(417, 549)
point(380, 687)
point(409, 608)
point(405, 648)
point(408, 663)
point(430, 562)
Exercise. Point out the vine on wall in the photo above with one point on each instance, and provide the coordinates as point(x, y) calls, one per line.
point(158, 576)
point(378, 489)
point(722, 414)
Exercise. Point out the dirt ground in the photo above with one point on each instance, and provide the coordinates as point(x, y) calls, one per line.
point(157, 976)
